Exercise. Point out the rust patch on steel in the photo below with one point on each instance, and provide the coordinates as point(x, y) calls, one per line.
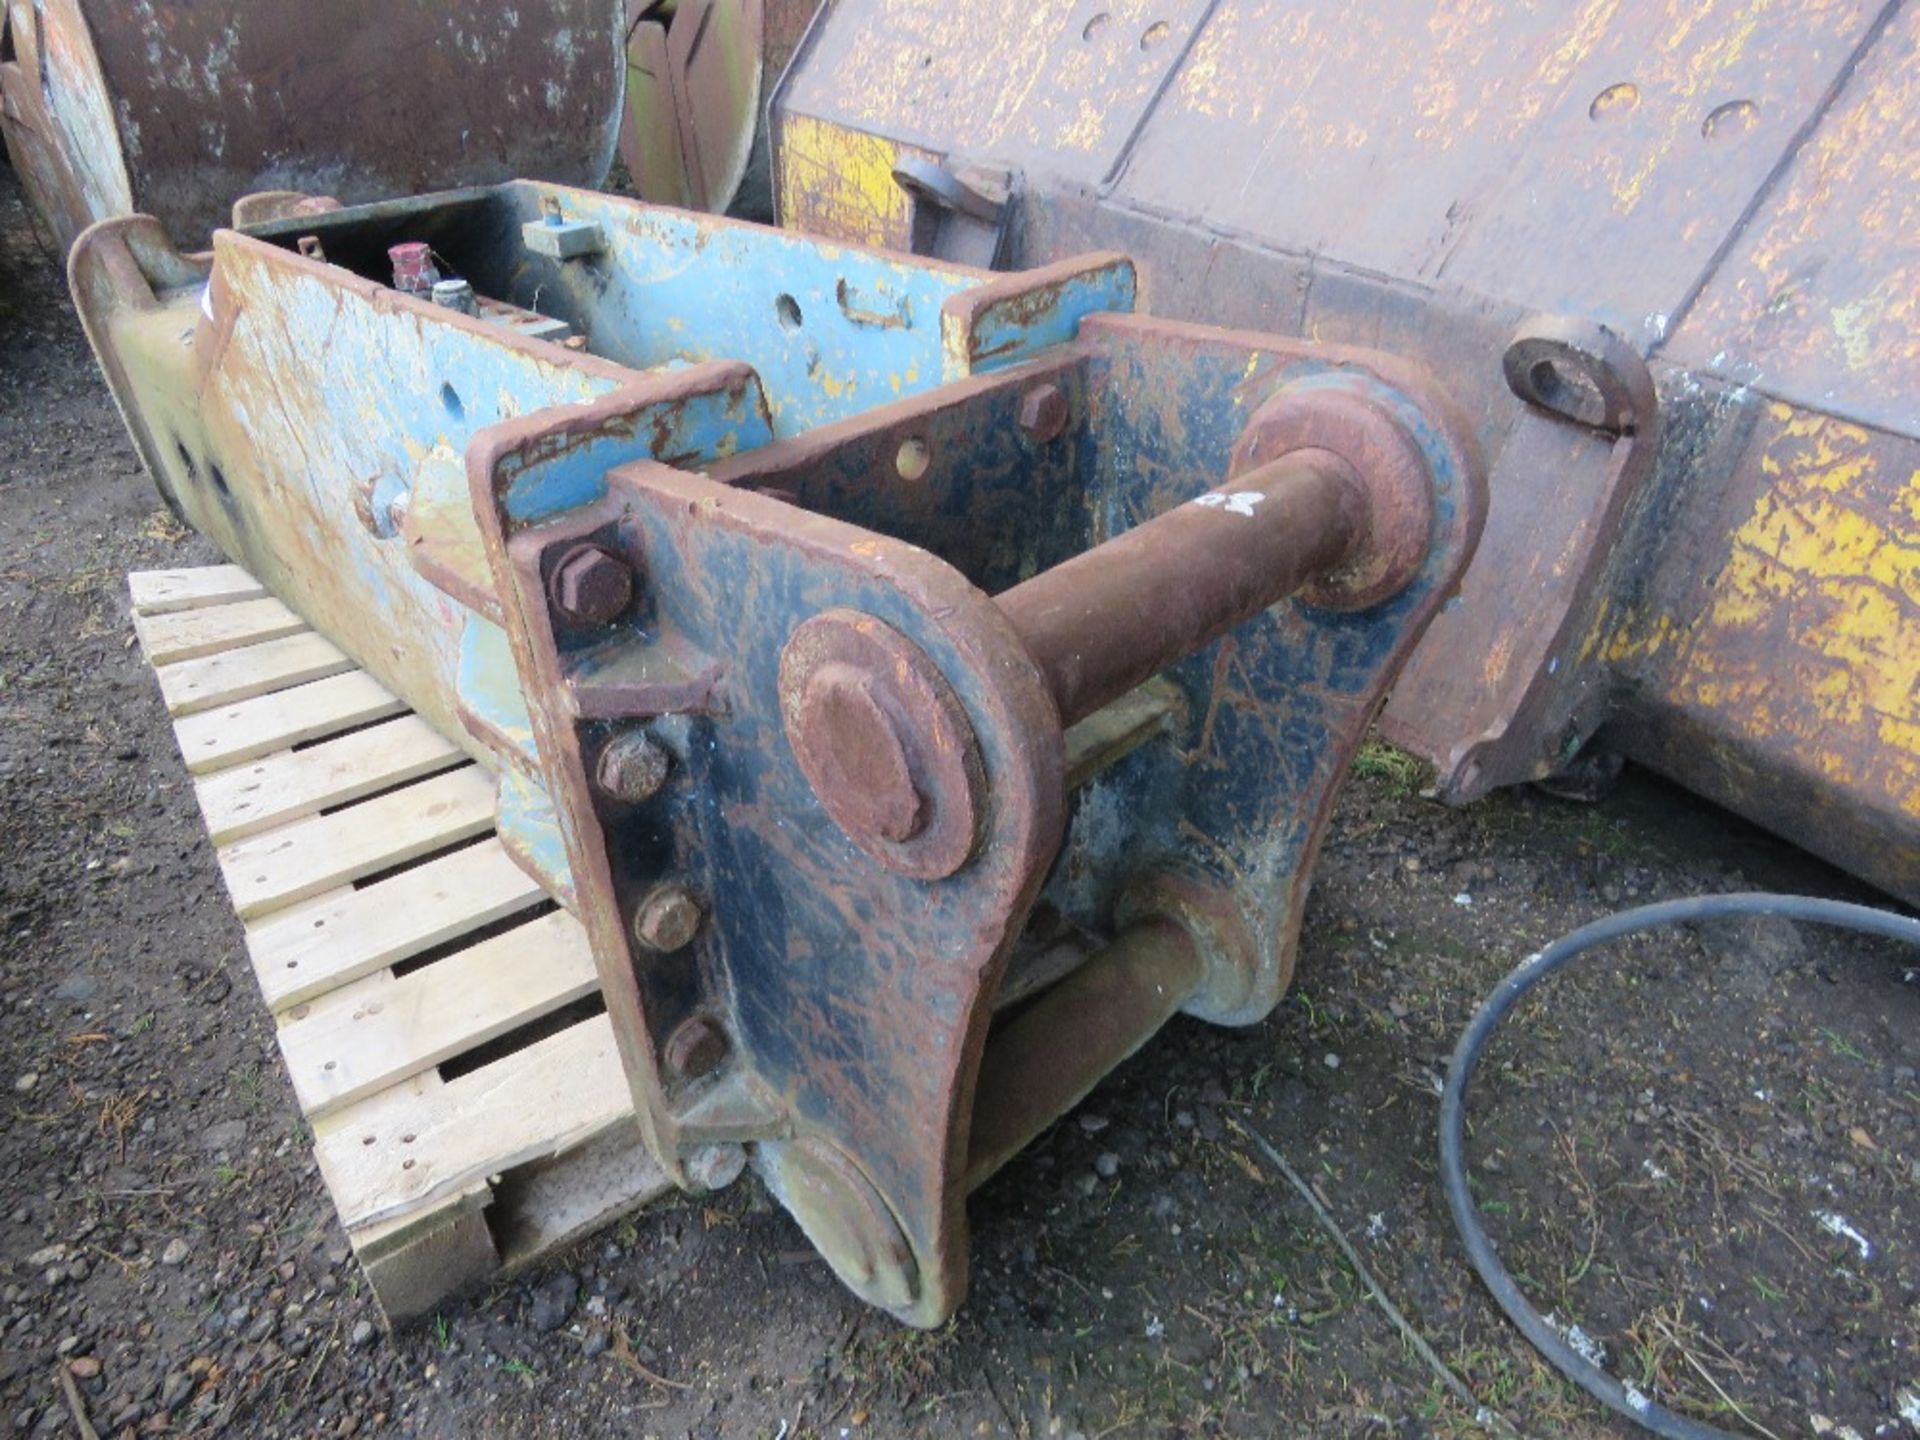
point(178, 110)
point(885, 744)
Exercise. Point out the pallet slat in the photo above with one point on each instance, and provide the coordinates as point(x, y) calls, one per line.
point(309, 949)
point(400, 1149)
point(299, 860)
point(191, 686)
point(243, 799)
point(188, 634)
point(215, 739)
point(440, 1183)
point(160, 592)
point(358, 1039)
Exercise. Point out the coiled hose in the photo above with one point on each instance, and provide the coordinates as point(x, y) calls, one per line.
point(1611, 1392)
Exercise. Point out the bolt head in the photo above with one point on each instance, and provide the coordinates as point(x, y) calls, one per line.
point(633, 767)
point(846, 735)
point(667, 920)
point(697, 1047)
point(591, 585)
point(1043, 412)
point(714, 1167)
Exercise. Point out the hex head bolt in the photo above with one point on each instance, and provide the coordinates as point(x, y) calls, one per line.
point(1043, 413)
point(884, 742)
point(667, 920)
point(714, 1167)
point(590, 585)
point(697, 1047)
point(633, 767)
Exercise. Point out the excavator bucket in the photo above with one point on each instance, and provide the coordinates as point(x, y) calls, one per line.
point(181, 111)
point(1665, 254)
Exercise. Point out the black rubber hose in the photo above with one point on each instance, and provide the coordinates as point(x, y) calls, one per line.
point(1598, 1383)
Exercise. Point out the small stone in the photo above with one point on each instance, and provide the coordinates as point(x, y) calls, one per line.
point(1183, 1119)
point(26, 1082)
point(1106, 1165)
point(227, 1135)
point(50, 1255)
point(263, 1325)
point(552, 1302)
point(84, 1368)
point(1330, 1060)
point(595, 1344)
point(127, 1414)
point(175, 1390)
point(362, 1334)
point(1086, 1182)
point(1093, 1124)
point(176, 1252)
point(67, 1346)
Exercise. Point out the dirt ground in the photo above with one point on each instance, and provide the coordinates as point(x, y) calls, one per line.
point(1704, 1150)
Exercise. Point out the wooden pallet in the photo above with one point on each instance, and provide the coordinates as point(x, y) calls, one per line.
point(426, 991)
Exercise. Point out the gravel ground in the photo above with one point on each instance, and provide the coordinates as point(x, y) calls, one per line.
point(1703, 1150)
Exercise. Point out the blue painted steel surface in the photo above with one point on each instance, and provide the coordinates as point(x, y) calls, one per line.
point(856, 996)
point(270, 387)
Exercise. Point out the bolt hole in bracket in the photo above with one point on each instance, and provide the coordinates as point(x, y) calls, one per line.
point(1198, 556)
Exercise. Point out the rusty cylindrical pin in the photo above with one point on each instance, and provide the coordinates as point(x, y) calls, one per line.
point(1348, 422)
point(590, 585)
point(667, 919)
point(633, 767)
point(1099, 624)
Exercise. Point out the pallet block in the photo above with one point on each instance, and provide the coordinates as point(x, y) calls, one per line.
point(427, 992)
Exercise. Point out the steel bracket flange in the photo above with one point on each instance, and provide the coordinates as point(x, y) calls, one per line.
point(847, 917)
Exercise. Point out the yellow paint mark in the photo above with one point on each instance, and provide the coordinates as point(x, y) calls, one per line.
point(1811, 637)
point(839, 183)
point(1853, 328)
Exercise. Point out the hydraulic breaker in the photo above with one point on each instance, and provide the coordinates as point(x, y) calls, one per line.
point(921, 683)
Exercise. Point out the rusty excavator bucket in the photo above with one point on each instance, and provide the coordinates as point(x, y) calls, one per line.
point(179, 110)
point(920, 683)
point(1666, 256)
